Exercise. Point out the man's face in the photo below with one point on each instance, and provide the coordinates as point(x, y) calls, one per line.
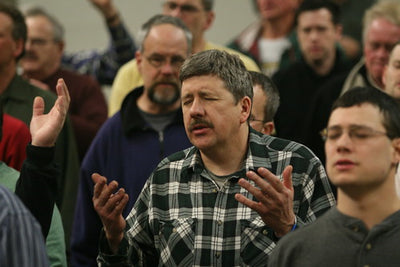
point(275, 9)
point(317, 35)
point(9, 48)
point(211, 117)
point(380, 37)
point(257, 109)
point(164, 50)
point(42, 54)
point(192, 13)
point(359, 154)
point(391, 76)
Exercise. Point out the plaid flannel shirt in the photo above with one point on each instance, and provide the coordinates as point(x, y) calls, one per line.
point(182, 218)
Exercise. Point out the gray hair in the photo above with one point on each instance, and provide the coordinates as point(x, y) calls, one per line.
point(389, 10)
point(58, 29)
point(270, 90)
point(229, 68)
point(159, 20)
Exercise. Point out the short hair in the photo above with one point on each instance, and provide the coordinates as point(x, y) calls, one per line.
point(270, 90)
point(208, 4)
point(312, 5)
point(386, 104)
point(159, 20)
point(389, 10)
point(19, 30)
point(58, 29)
point(228, 67)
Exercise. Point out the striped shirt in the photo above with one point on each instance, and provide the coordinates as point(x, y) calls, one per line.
point(183, 218)
point(21, 238)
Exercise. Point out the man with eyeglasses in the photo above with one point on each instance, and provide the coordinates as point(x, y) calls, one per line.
point(148, 127)
point(265, 103)
point(362, 146)
point(198, 16)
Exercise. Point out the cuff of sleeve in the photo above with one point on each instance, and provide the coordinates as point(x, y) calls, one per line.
point(107, 255)
point(40, 156)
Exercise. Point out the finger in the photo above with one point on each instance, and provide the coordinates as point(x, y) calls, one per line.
point(256, 192)
point(38, 106)
point(118, 202)
point(265, 186)
point(99, 182)
point(247, 202)
point(271, 178)
point(287, 177)
point(63, 98)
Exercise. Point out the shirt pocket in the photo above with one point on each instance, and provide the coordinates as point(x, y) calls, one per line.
point(256, 242)
point(176, 240)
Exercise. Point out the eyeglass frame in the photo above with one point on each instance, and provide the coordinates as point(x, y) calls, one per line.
point(157, 61)
point(351, 132)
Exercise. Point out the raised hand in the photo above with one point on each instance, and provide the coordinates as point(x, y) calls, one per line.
point(275, 198)
point(46, 127)
point(109, 204)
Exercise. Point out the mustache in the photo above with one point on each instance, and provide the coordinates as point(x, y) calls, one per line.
point(167, 81)
point(201, 122)
point(30, 55)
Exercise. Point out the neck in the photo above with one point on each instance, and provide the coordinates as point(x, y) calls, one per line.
point(324, 67)
point(273, 29)
point(42, 75)
point(371, 205)
point(217, 161)
point(6, 74)
point(198, 44)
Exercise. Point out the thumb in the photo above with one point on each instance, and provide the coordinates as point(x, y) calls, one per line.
point(38, 106)
point(287, 177)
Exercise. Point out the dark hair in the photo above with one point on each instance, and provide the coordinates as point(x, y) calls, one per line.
point(270, 90)
point(19, 30)
point(387, 105)
point(312, 5)
point(228, 67)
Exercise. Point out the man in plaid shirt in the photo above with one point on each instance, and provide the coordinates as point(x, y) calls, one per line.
point(225, 201)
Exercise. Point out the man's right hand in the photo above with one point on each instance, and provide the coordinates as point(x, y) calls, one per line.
point(109, 204)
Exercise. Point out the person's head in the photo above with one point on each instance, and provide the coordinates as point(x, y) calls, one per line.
point(276, 9)
point(44, 46)
point(265, 103)
point(216, 99)
point(318, 30)
point(362, 139)
point(198, 15)
point(164, 45)
point(12, 35)
point(381, 30)
point(391, 73)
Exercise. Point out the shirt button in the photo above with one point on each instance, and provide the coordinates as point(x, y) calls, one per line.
point(366, 265)
point(355, 229)
point(368, 246)
point(265, 232)
point(214, 190)
point(217, 255)
point(219, 222)
point(174, 230)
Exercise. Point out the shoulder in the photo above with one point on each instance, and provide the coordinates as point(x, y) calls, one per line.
point(248, 62)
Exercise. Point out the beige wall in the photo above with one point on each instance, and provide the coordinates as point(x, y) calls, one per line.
point(85, 28)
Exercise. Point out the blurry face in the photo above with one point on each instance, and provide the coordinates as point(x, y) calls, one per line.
point(9, 48)
point(42, 54)
point(257, 110)
point(391, 76)
point(365, 158)
point(317, 36)
point(164, 50)
point(275, 9)
point(192, 14)
point(380, 37)
point(212, 119)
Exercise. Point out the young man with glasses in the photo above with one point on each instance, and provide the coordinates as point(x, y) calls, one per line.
point(148, 127)
point(362, 146)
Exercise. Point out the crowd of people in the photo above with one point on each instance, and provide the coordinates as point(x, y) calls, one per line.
point(279, 149)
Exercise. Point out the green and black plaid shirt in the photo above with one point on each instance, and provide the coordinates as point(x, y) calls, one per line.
point(182, 218)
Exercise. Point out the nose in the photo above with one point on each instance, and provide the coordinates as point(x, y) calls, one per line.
point(196, 109)
point(176, 12)
point(344, 142)
point(167, 68)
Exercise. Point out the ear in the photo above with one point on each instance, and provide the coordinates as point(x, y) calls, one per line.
point(384, 77)
point(209, 20)
point(339, 31)
point(61, 46)
point(268, 128)
point(396, 150)
point(19, 48)
point(245, 104)
point(139, 60)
